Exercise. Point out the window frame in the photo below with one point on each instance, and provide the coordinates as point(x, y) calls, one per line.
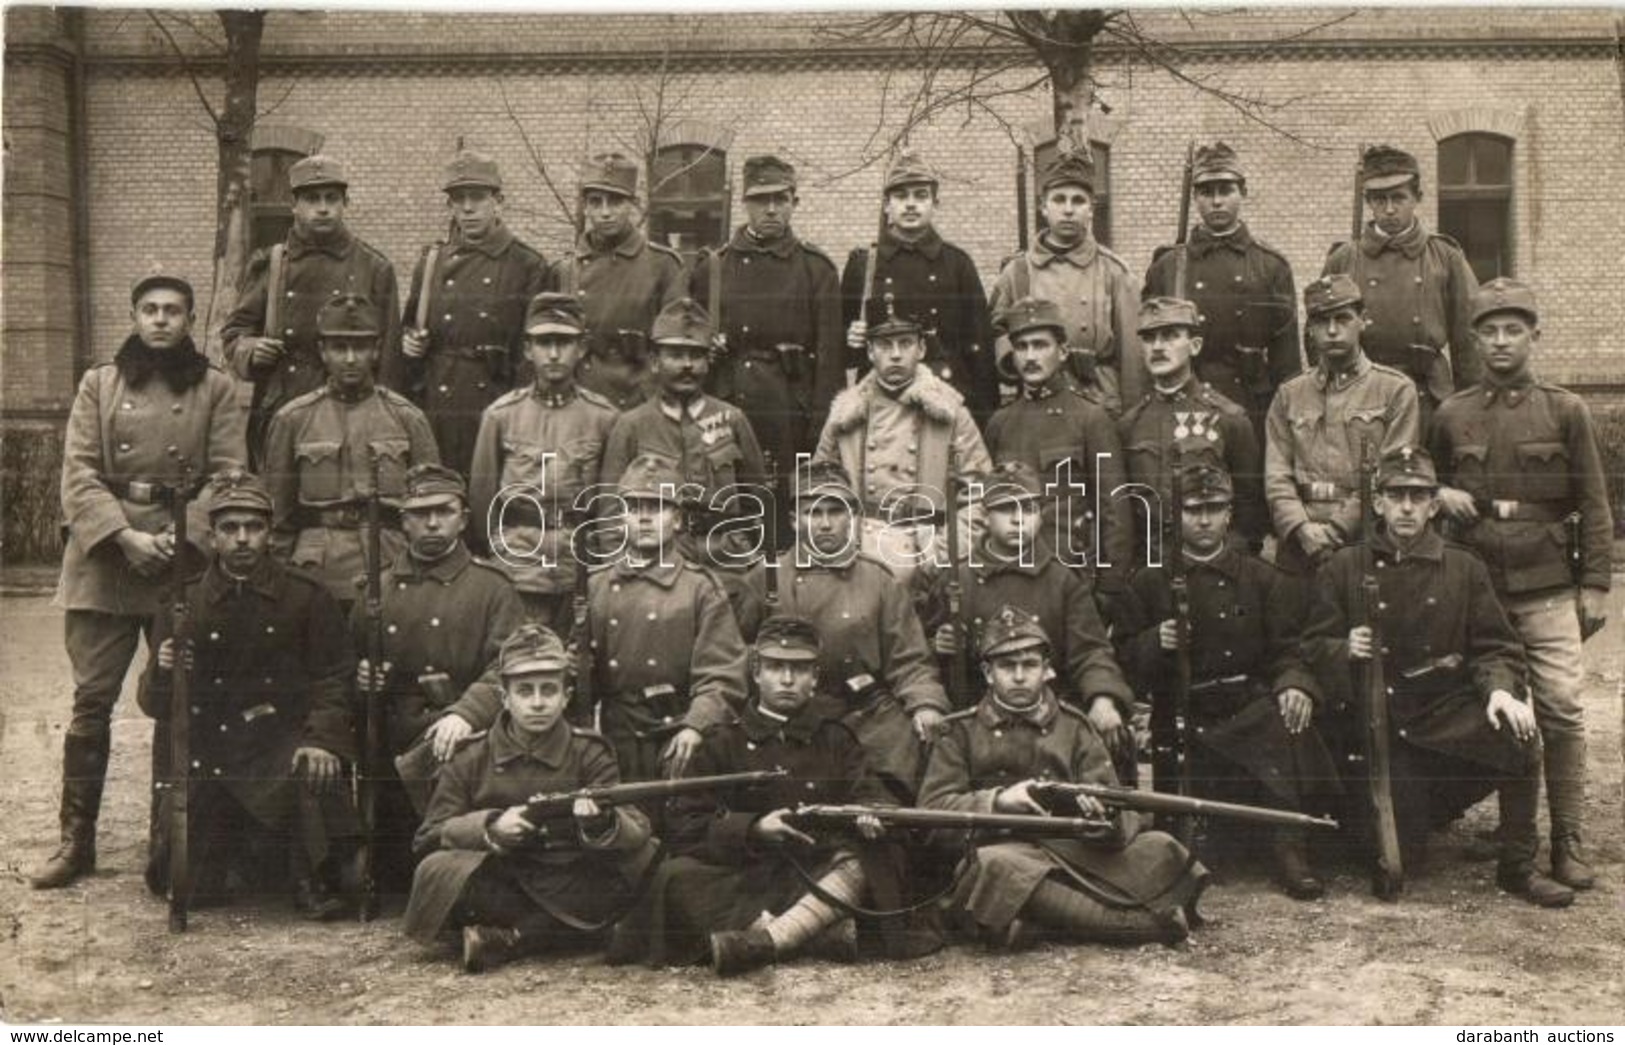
point(720, 200)
point(1473, 193)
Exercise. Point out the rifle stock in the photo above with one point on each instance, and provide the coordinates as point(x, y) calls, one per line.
point(958, 667)
point(1182, 233)
point(548, 809)
point(180, 711)
point(770, 534)
point(1171, 769)
point(581, 698)
point(1388, 876)
point(832, 818)
point(372, 726)
point(1055, 792)
point(1021, 200)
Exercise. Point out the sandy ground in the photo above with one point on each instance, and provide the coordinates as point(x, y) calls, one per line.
point(1454, 951)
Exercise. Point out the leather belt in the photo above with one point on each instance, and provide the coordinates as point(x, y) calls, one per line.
point(1522, 511)
point(1326, 491)
point(1226, 682)
point(139, 491)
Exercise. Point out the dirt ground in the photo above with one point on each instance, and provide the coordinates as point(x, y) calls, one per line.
point(1453, 951)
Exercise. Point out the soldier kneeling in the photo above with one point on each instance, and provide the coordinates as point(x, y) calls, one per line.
point(511, 885)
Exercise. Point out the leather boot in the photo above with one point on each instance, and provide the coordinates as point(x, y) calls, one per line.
point(1533, 886)
point(1568, 865)
point(84, 772)
point(733, 953)
point(488, 946)
point(1084, 918)
point(1564, 762)
point(1292, 868)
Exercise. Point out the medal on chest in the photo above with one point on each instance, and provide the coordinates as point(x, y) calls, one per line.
point(712, 428)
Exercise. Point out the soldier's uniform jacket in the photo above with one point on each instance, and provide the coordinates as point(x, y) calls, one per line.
point(568, 875)
point(936, 283)
point(476, 323)
point(315, 272)
point(1418, 290)
point(1098, 299)
point(663, 626)
point(709, 442)
point(1057, 422)
point(1527, 452)
point(1060, 599)
point(1316, 428)
point(316, 468)
point(889, 443)
point(1207, 427)
point(271, 670)
point(1244, 293)
point(622, 288)
point(449, 618)
point(118, 435)
point(1433, 600)
point(784, 292)
point(542, 446)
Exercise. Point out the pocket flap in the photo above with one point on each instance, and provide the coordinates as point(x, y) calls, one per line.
point(316, 451)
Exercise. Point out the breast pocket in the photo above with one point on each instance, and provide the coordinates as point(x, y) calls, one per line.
point(394, 458)
point(1543, 471)
point(1366, 426)
point(1470, 463)
point(722, 461)
point(1144, 460)
point(523, 463)
point(321, 480)
point(581, 458)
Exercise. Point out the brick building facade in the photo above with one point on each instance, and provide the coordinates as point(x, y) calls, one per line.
point(110, 161)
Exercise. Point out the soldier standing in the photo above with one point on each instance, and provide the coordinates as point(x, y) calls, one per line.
point(1320, 424)
point(319, 448)
point(1417, 285)
point(271, 723)
point(538, 451)
point(1182, 409)
point(1090, 284)
point(1520, 456)
point(1252, 698)
point(157, 408)
point(621, 278)
point(1453, 667)
point(989, 756)
point(321, 259)
point(930, 278)
point(1242, 288)
point(781, 349)
point(463, 339)
point(1069, 440)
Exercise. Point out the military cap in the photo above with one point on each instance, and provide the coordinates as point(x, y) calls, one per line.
point(233, 488)
point(883, 320)
point(314, 171)
point(610, 172)
point(1010, 482)
point(1385, 167)
point(786, 637)
point(1031, 313)
point(550, 313)
point(430, 484)
point(1068, 168)
point(1159, 312)
point(1011, 629)
point(765, 175)
point(1505, 295)
point(650, 477)
point(683, 322)
point(530, 649)
point(908, 169)
point(469, 168)
point(1216, 162)
point(1330, 293)
point(1202, 483)
point(156, 279)
point(349, 315)
point(816, 479)
point(1407, 466)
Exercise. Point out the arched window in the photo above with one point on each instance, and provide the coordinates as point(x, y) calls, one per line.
point(271, 209)
point(1475, 200)
point(688, 197)
point(1101, 153)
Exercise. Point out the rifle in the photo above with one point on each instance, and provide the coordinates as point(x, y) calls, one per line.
point(1574, 529)
point(580, 637)
point(276, 277)
point(1050, 793)
point(1183, 232)
point(839, 818)
point(1021, 199)
point(1171, 762)
point(180, 709)
point(958, 668)
point(871, 266)
point(1388, 877)
point(1357, 221)
point(372, 711)
point(770, 533)
point(547, 811)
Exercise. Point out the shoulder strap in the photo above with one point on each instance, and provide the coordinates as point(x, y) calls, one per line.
point(431, 263)
point(276, 278)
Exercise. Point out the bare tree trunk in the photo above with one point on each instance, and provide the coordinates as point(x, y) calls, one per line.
point(1074, 95)
point(234, 139)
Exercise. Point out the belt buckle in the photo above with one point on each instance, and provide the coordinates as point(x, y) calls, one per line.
point(141, 492)
point(1323, 491)
point(1504, 509)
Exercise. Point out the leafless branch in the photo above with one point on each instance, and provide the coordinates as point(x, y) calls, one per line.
point(186, 65)
point(274, 106)
point(559, 197)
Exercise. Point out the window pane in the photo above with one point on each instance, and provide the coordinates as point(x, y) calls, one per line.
point(268, 173)
point(1455, 160)
point(1492, 160)
point(689, 198)
point(1481, 226)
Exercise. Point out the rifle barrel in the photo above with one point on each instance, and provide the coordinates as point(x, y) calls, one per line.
point(548, 806)
point(1156, 802)
point(950, 819)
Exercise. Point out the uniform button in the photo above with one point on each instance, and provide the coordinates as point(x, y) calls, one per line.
point(175, 409)
point(434, 622)
point(846, 615)
point(443, 389)
point(1199, 284)
point(270, 629)
point(214, 636)
point(290, 294)
point(1371, 282)
point(933, 312)
point(1418, 279)
point(811, 786)
point(196, 764)
point(129, 405)
point(479, 384)
point(1238, 279)
point(750, 745)
point(932, 278)
point(998, 733)
point(125, 447)
point(653, 615)
point(392, 629)
point(291, 368)
point(1382, 605)
point(401, 586)
point(1228, 653)
point(888, 279)
point(288, 332)
point(448, 317)
point(223, 728)
point(219, 681)
point(652, 662)
point(614, 587)
point(1238, 311)
point(487, 283)
point(451, 282)
point(485, 315)
point(1416, 321)
point(196, 710)
point(614, 622)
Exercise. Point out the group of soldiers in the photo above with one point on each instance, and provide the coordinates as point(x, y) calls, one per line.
point(532, 521)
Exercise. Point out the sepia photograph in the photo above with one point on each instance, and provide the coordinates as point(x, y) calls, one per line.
point(534, 515)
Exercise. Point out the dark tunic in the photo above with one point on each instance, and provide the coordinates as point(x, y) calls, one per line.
point(476, 322)
point(986, 749)
point(708, 441)
point(568, 877)
point(936, 283)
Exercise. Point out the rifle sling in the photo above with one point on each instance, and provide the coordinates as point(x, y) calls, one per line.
point(878, 914)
